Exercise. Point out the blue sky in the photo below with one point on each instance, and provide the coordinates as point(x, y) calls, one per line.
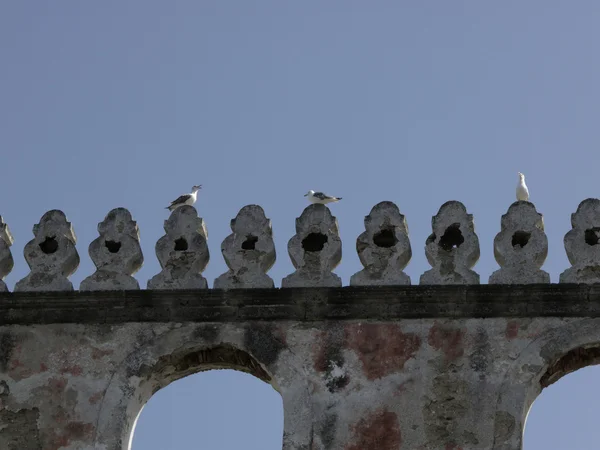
point(107, 104)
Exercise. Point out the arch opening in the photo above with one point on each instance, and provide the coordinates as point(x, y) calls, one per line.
point(563, 414)
point(207, 398)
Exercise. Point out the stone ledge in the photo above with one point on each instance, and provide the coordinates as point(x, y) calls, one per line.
point(300, 304)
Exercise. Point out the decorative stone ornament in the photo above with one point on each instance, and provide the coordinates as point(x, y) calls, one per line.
point(6, 259)
point(453, 247)
point(582, 244)
point(383, 248)
point(182, 252)
point(315, 249)
point(51, 255)
point(249, 251)
point(521, 247)
point(116, 253)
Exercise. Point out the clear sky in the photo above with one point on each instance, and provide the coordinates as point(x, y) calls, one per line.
point(107, 104)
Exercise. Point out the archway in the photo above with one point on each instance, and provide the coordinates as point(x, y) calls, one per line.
point(565, 413)
point(216, 409)
point(563, 348)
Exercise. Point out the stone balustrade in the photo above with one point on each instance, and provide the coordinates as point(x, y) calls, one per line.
point(384, 249)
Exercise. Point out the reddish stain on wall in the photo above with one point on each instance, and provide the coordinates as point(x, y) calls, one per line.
point(72, 370)
point(96, 397)
point(73, 431)
point(512, 329)
point(320, 358)
point(382, 348)
point(448, 339)
point(380, 430)
point(97, 353)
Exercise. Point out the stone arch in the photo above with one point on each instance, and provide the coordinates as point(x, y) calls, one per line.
point(557, 352)
point(179, 352)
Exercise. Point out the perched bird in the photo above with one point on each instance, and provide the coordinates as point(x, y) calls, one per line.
point(319, 197)
point(522, 191)
point(185, 199)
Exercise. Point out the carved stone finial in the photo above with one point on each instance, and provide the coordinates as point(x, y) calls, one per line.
point(521, 247)
point(116, 253)
point(51, 255)
point(315, 249)
point(182, 252)
point(6, 259)
point(249, 251)
point(384, 248)
point(453, 247)
point(582, 244)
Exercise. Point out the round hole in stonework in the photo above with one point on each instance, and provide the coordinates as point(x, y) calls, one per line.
point(386, 238)
point(520, 238)
point(592, 236)
point(181, 245)
point(112, 246)
point(452, 237)
point(314, 242)
point(249, 243)
point(49, 246)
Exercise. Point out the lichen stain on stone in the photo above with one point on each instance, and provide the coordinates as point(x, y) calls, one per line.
point(20, 430)
point(265, 342)
point(382, 348)
point(512, 329)
point(448, 339)
point(504, 427)
point(380, 430)
point(329, 359)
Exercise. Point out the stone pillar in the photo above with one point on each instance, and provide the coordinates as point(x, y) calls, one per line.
point(6, 259)
point(182, 252)
point(249, 251)
point(51, 255)
point(582, 244)
point(521, 247)
point(315, 249)
point(383, 248)
point(116, 253)
point(453, 247)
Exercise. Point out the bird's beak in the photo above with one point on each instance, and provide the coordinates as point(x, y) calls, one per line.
point(305, 195)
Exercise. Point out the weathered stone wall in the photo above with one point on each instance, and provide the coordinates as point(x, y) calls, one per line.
point(450, 364)
point(421, 367)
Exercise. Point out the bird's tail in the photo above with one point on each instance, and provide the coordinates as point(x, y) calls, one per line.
point(339, 198)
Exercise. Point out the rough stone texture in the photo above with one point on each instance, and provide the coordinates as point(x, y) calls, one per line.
point(521, 247)
point(582, 244)
point(6, 259)
point(116, 253)
point(357, 367)
point(182, 252)
point(383, 248)
point(249, 251)
point(453, 247)
point(315, 249)
point(51, 255)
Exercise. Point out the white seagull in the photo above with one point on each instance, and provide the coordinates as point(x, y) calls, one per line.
point(319, 197)
point(522, 191)
point(185, 199)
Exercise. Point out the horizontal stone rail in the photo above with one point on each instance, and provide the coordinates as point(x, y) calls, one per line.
point(384, 249)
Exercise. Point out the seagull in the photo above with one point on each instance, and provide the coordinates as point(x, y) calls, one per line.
point(319, 197)
point(185, 199)
point(522, 191)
